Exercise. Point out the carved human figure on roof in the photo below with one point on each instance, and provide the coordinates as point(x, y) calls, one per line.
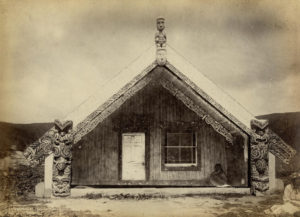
point(160, 36)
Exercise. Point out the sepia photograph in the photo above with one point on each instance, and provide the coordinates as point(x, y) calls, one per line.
point(150, 108)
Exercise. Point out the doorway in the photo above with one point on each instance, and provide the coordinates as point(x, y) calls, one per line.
point(133, 156)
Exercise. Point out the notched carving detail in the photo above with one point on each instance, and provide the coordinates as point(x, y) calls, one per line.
point(200, 112)
point(280, 149)
point(106, 109)
point(37, 151)
point(62, 150)
point(259, 158)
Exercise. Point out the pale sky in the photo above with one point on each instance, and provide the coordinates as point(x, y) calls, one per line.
point(55, 54)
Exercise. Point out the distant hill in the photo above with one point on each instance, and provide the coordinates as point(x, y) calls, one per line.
point(19, 136)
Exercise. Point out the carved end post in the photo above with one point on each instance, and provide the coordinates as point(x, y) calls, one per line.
point(259, 159)
point(62, 150)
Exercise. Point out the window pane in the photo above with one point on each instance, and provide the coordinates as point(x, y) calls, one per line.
point(173, 139)
point(194, 155)
point(180, 148)
point(186, 139)
point(187, 155)
point(172, 155)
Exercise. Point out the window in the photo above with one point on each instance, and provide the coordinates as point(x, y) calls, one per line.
point(180, 150)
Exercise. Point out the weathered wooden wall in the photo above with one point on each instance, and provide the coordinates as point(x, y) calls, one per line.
point(96, 156)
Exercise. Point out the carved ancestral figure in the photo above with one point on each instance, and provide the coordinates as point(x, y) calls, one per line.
point(160, 41)
point(62, 146)
point(160, 36)
point(259, 156)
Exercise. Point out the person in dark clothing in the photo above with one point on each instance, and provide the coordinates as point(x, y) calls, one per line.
point(218, 177)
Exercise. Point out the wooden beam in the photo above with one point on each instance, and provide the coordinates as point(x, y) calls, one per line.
point(112, 105)
point(194, 107)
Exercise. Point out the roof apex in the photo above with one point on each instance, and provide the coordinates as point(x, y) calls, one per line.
point(176, 63)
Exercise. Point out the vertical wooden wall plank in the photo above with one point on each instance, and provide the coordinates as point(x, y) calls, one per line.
point(97, 162)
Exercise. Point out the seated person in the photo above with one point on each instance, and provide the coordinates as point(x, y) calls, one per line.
point(218, 177)
point(291, 198)
point(292, 191)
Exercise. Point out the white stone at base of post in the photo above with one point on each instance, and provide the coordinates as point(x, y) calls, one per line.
point(40, 189)
point(48, 170)
point(272, 173)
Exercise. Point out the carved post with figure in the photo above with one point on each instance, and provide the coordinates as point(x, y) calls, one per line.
point(259, 159)
point(161, 41)
point(62, 151)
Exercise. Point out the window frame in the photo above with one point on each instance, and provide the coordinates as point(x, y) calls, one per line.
point(180, 166)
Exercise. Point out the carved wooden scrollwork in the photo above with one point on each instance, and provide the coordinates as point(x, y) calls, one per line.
point(200, 112)
point(259, 159)
point(58, 140)
point(36, 152)
point(112, 104)
point(264, 140)
point(279, 148)
point(62, 150)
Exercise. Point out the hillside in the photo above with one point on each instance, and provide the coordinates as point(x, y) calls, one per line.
point(18, 136)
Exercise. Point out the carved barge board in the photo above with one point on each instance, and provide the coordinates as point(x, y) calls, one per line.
point(108, 108)
point(207, 97)
point(191, 105)
point(112, 99)
point(202, 103)
point(279, 148)
point(37, 151)
point(99, 149)
point(58, 140)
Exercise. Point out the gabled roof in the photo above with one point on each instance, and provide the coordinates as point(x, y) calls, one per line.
point(140, 67)
point(209, 90)
point(144, 64)
point(116, 91)
point(133, 72)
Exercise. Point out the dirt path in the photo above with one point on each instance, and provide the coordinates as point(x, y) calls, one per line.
point(247, 206)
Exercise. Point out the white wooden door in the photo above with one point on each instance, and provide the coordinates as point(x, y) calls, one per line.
point(133, 156)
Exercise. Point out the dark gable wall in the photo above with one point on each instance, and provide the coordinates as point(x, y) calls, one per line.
point(96, 156)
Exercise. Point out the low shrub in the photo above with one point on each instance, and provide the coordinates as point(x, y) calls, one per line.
point(19, 181)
